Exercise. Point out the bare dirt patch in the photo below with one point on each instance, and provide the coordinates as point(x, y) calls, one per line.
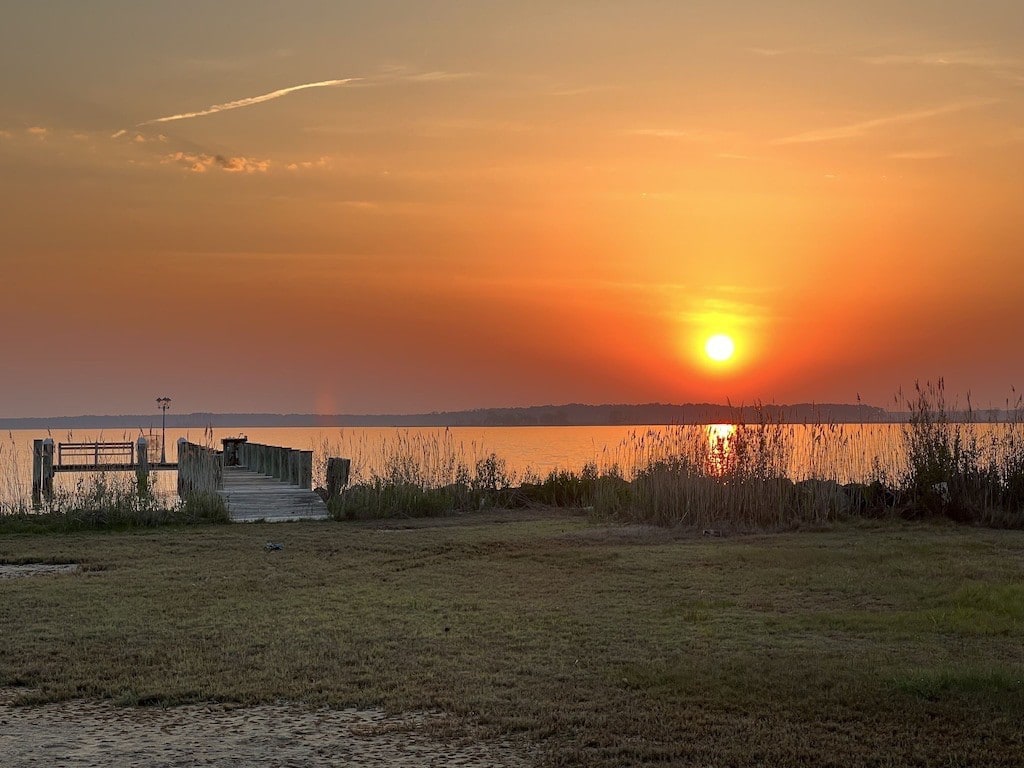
point(25, 570)
point(87, 734)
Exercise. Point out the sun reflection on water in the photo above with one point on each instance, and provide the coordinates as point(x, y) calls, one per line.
point(721, 448)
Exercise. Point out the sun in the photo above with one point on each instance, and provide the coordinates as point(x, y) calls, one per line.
point(719, 347)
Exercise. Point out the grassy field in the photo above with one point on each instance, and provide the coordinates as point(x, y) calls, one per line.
point(882, 644)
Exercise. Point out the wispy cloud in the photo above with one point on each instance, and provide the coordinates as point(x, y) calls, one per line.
point(679, 134)
point(38, 131)
point(920, 154)
point(579, 90)
point(854, 130)
point(1006, 67)
point(139, 138)
point(250, 101)
point(731, 312)
point(436, 77)
point(305, 165)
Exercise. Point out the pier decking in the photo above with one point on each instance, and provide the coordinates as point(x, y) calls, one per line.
point(250, 497)
point(257, 482)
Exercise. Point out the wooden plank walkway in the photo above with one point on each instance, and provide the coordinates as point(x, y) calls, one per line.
point(251, 497)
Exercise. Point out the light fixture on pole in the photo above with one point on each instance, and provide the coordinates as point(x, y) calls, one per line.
point(163, 403)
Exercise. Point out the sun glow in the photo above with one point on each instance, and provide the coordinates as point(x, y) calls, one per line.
point(719, 347)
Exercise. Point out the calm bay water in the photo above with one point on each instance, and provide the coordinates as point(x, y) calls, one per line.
point(846, 453)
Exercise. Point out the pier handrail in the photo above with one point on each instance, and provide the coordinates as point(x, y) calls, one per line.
point(96, 450)
point(200, 469)
point(286, 464)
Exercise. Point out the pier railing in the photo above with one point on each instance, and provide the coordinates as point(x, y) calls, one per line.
point(285, 464)
point(200, 469)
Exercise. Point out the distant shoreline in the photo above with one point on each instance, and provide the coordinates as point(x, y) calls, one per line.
point(570, 415)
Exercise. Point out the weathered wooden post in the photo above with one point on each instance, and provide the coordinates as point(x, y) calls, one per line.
point(294, 465)
point(142, 465)
point(306, 470)
point(337, 475)
point(183, 467)
point(283, 468)
point(217, 462)
point(42, 472)
point(37, 474)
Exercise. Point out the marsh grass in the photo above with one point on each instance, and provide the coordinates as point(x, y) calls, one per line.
point(595, 648)
point(954, 469)
point(751, 474)
point(415, 474)
point(109, 501)
point(754, 473)
point(14, 490)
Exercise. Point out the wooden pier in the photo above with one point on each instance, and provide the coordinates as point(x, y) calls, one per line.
point(256, 481)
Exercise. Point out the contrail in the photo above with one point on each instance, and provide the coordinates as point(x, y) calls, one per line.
point(212, 110)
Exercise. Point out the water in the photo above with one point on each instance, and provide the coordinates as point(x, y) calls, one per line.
point(847, 453)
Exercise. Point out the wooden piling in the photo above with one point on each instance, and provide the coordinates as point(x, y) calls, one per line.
point(142, 465)
point(280, 464)
point(337, 476)
point(42, 472)
point(306, 470)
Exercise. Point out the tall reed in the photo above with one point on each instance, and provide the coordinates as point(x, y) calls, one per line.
point(411, 473)
point(955, 469)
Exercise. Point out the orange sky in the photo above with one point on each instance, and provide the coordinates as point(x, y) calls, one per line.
point(409, 206)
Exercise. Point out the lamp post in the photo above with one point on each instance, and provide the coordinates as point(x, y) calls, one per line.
point(163, 403)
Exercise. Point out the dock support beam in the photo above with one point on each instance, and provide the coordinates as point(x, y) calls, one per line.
point(142, 465)
point(42, 472)
point(306, 470)
point(337, 476)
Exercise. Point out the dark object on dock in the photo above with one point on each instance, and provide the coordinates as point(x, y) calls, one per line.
point(272, 546)
point(230, 444)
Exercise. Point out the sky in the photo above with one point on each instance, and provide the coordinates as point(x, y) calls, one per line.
point(408, 206)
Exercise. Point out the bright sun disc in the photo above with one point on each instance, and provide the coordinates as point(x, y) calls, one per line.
point(719, 347)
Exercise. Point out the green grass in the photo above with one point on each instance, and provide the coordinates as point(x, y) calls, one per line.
point(875, 644)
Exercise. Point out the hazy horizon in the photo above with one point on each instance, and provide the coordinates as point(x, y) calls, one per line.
point(404, 207)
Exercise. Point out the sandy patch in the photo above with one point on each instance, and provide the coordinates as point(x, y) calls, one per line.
point(84, 734)
point(35, 569)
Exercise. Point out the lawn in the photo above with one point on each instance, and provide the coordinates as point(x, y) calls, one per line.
point(883, 644)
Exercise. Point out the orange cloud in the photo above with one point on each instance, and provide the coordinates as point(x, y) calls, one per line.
point(305, 165)
point(201, 162)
